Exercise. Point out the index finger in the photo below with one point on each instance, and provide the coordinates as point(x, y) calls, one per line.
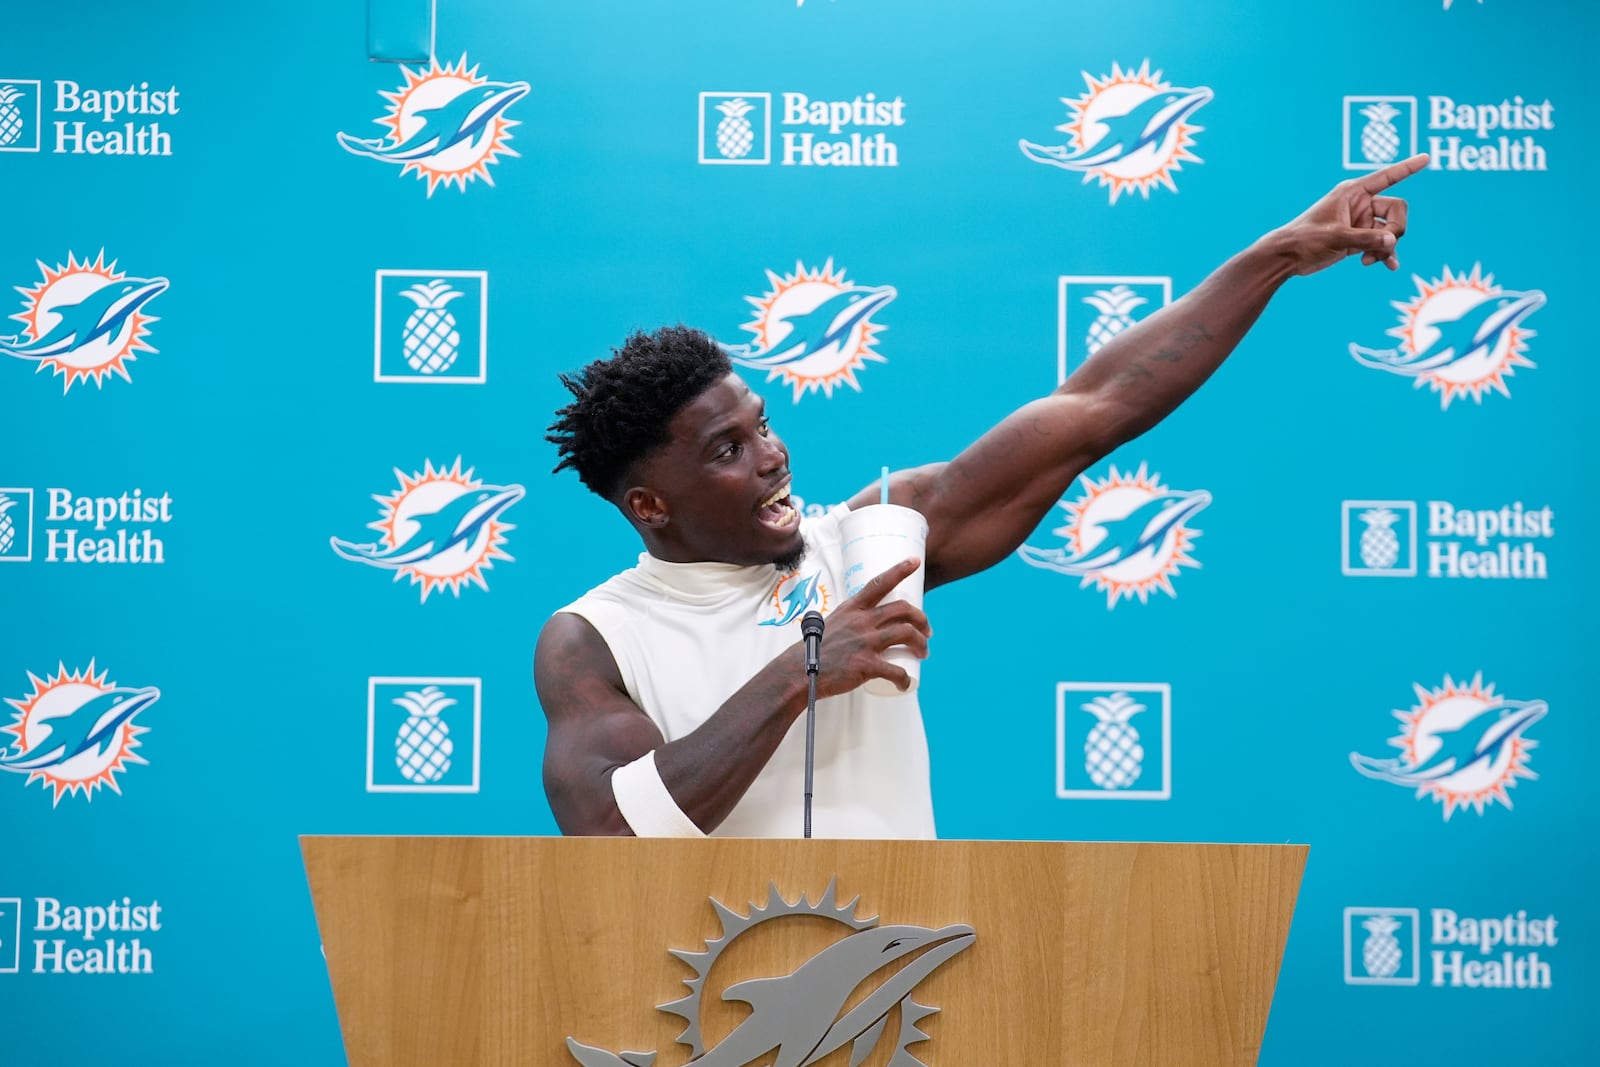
point(879, 587)
point(1379, 180)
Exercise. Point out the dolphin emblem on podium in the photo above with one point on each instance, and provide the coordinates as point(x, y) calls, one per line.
point(799, 1018)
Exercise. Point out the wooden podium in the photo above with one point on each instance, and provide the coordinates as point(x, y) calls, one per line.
point(460, 951)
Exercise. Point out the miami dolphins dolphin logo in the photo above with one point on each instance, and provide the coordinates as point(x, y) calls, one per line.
point(75, 731)
point(1461, 336)
point(1130, 131)
point(446, 124)
point(1460, 744)
point(793, 595)
point(813, 329)
point(1128, 535)
point(443, 527)
point(84, 320)
point(801, 1017)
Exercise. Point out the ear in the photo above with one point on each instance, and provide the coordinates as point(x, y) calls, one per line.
point(646, 507)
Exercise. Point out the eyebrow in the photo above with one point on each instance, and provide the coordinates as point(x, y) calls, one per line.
point(732, 424)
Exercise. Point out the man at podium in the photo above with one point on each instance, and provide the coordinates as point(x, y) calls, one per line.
point(674, 691)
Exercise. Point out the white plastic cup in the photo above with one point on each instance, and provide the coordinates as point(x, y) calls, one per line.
point(877, 537)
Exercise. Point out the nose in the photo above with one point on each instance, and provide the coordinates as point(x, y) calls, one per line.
point(774, 454)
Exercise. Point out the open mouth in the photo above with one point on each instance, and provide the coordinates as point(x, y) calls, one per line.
point(776, 511)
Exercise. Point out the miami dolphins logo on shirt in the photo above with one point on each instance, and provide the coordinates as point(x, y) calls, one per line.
point(792, 596)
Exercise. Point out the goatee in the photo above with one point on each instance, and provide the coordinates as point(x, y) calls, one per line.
point(790, 562)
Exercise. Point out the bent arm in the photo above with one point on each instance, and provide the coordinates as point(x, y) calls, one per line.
point(594, 728)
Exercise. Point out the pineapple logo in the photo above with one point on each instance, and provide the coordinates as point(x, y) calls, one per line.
point(1381, 952)
point(813, 329)
point(1130, 131)
point(1461, 744)
point(1103, 755)
point(733, 125)
point(1380, 141)
point(1093, 309)
point(1112, 755)
point(446, 125)
point(423, 734)
point(1380, 538)
point(442, 528)
point(19, 115)
point(734, 135)
point(1380, 547)
point(1378, 130)
point(84, 320)
point(431, 326)
point(1461, 335)
point(16, 525)
point(1386, 941)
point(75, 732)
point(1127, 535)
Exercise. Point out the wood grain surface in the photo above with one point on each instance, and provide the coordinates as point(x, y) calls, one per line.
point(496, 950)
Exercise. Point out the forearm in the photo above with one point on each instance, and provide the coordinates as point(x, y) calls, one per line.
point(708, 770)
point(1148, 370)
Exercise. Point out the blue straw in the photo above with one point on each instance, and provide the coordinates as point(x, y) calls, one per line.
point(885, 489)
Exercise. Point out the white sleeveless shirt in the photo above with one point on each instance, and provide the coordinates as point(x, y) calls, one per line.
point(687, 636)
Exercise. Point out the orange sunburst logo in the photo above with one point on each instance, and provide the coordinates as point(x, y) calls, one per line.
point(445, 124)
point(1461, 335)
point(75, 731)
point(813, 329)
point(1127, 535)
point(1461, 744)
point(84, 320)
point(441, 528)
point(1130, 131)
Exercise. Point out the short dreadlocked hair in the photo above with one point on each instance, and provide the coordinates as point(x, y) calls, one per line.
point(623, 406)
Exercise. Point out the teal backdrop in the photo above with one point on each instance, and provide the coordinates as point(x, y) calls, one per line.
point(267, 304)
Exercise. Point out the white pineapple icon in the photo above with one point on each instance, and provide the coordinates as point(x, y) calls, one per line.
point(1114, 306)
point(735, 137)
point(422, 745)
point(8, 526)
point(1380, 141)
point(1380, 545)
point(10, 116)
point(1112, 755)
point(1380, 953)
point(431, 339)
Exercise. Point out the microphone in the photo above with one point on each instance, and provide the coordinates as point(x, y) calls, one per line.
point(811, 629)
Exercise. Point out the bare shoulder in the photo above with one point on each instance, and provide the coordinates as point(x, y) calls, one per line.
point(572, 661)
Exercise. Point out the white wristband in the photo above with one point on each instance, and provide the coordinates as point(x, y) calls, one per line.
point(643, 799)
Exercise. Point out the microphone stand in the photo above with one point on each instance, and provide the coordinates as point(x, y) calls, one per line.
point(811, 627)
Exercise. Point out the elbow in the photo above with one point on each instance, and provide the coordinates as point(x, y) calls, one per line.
point(586, 812)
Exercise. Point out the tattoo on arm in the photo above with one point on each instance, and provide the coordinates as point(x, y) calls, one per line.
point(1133, 372)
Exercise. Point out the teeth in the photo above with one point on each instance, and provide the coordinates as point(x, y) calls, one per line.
point(779, 495)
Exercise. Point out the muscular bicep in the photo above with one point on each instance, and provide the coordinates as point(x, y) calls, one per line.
point(982, 504)
point(594, 727)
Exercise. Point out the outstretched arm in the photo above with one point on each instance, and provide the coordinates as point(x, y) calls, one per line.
point(982, 504)
point(595, 728)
